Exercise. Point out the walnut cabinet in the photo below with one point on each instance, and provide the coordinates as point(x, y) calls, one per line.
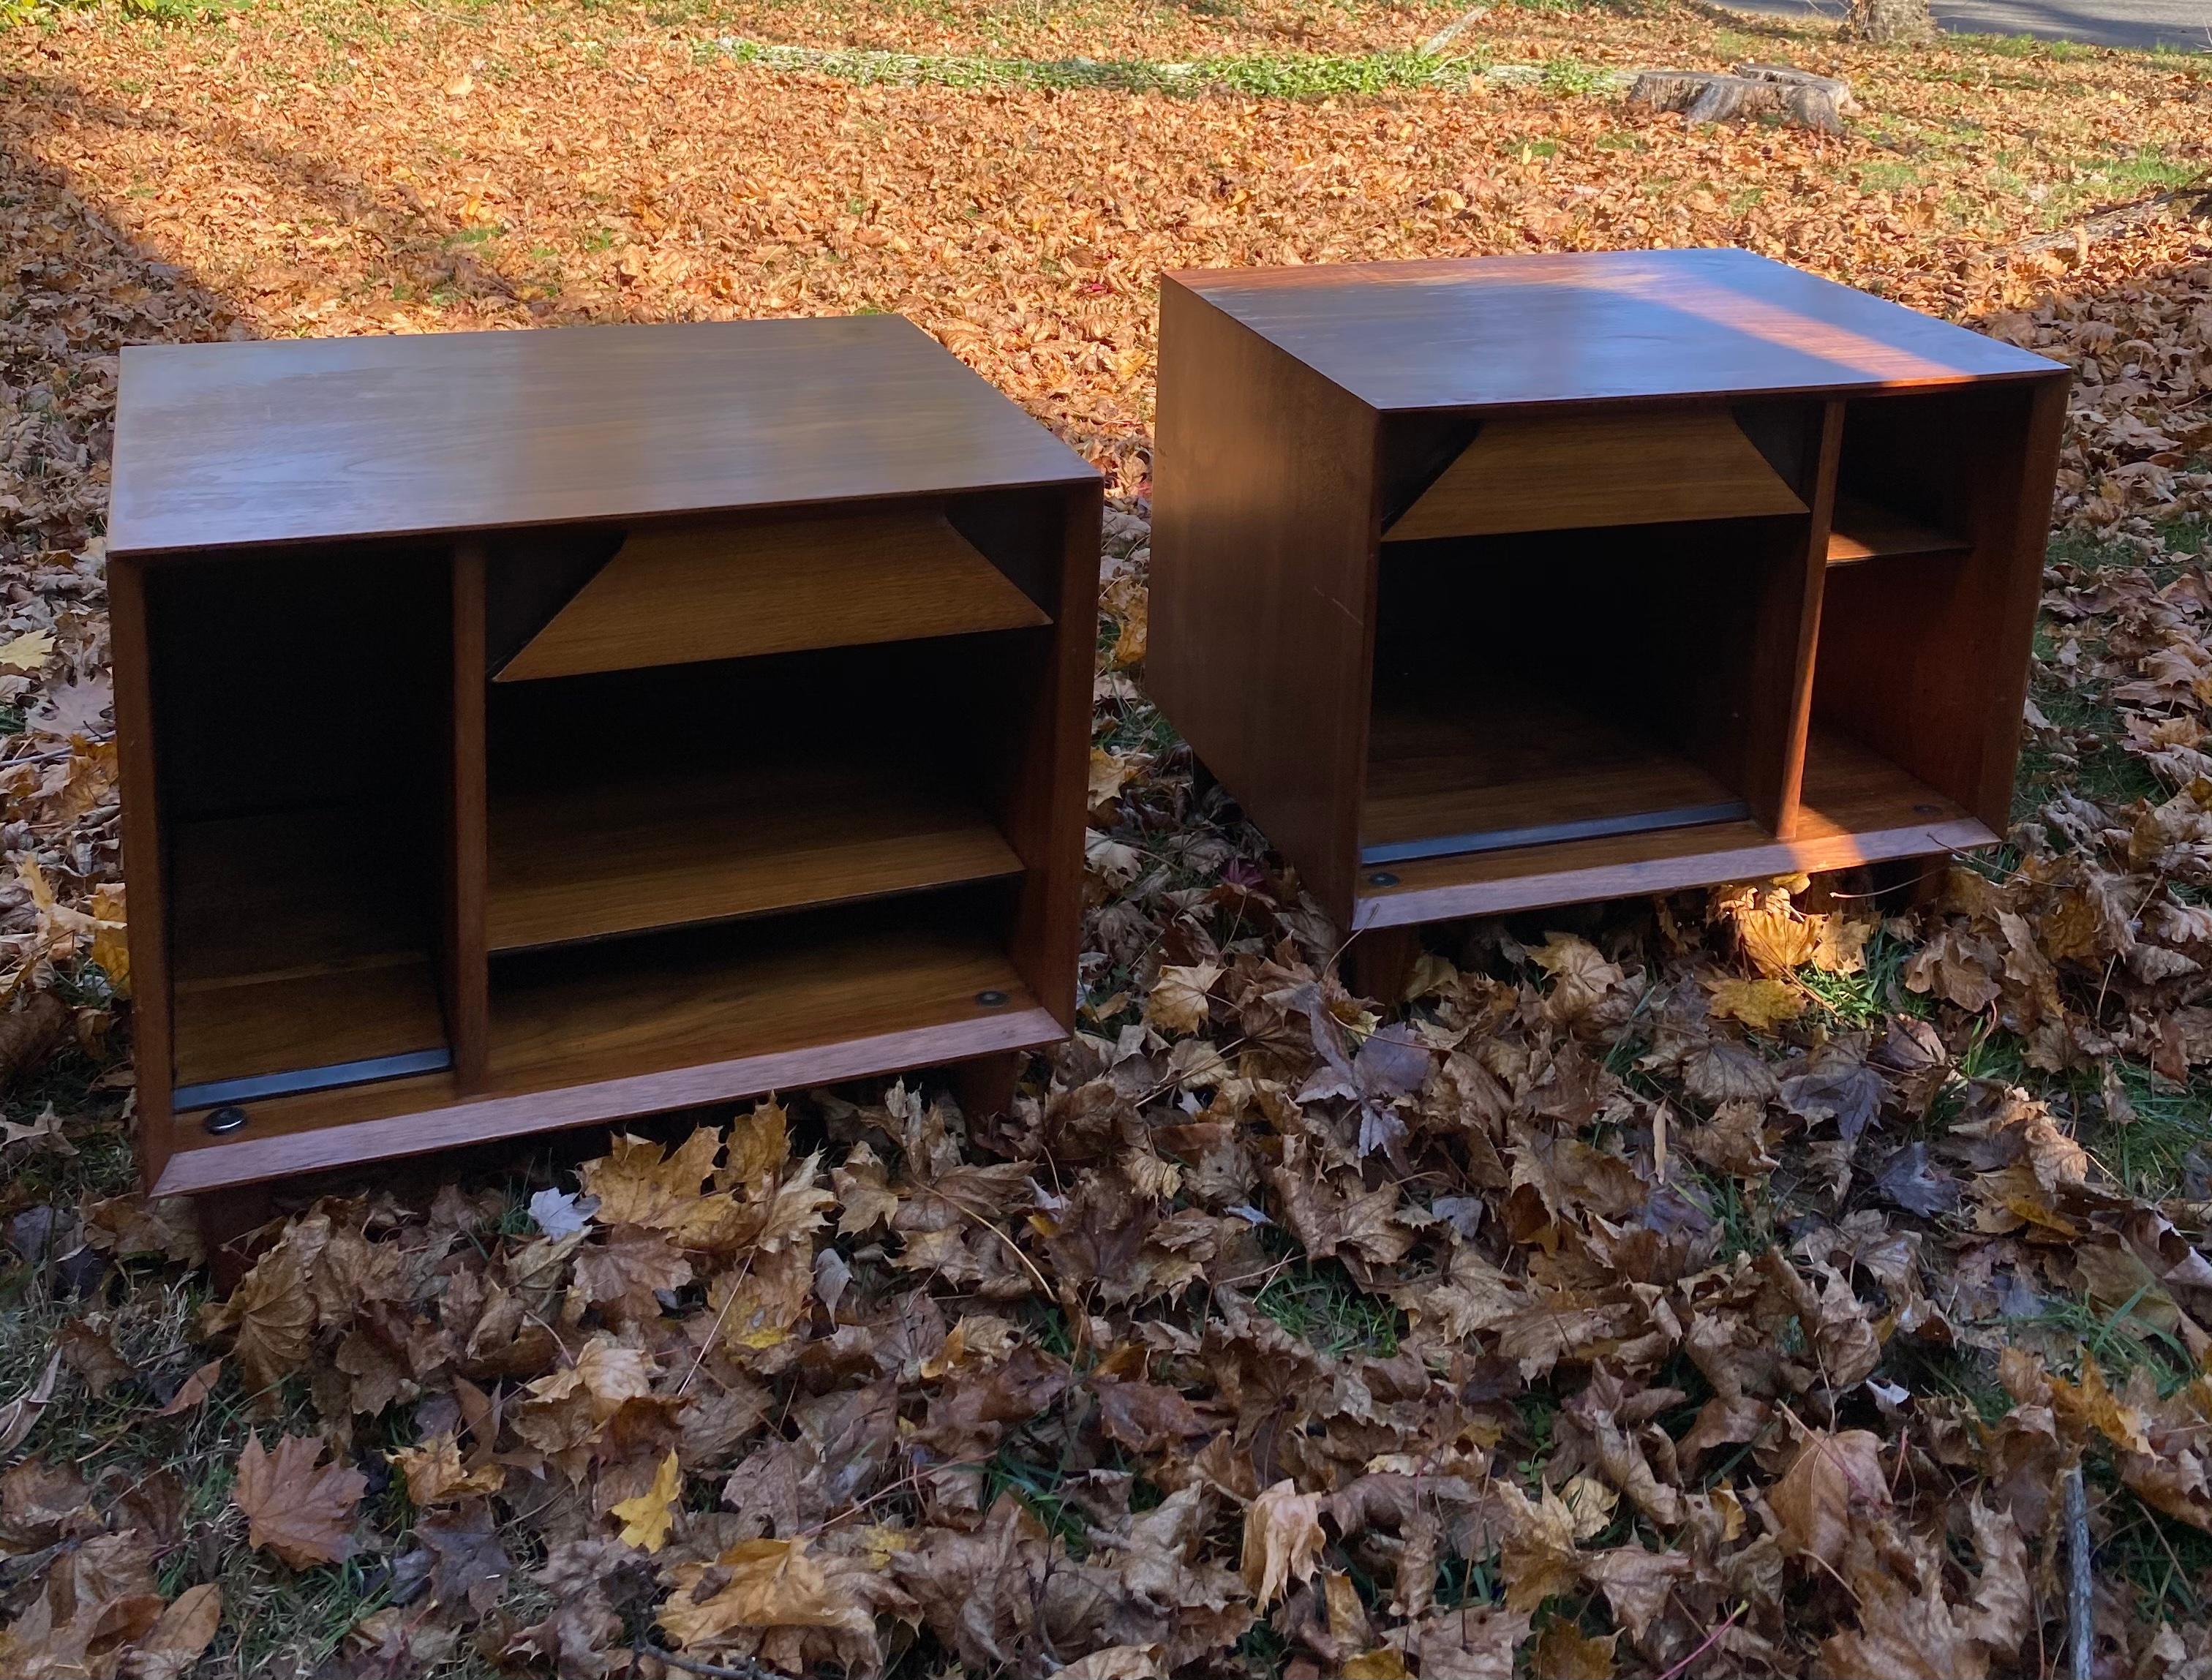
point(525, 730)
point(1502, 583)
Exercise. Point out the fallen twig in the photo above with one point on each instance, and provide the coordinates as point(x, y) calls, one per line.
point(749, 1670)
point(2079, 1629)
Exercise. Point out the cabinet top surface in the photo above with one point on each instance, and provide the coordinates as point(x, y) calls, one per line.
point(329, 439)
point(1594, 327)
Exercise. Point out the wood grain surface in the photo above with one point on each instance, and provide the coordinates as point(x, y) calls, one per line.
point(579, 1043)
point(1524, 761)
point(676, 595)
point(610, 854)
point(288, 1022)
point(290, 440)
point(1594, 327)
point(1858, 807)
point(1864, 529)
point(1611, 468)
point(1266, 512)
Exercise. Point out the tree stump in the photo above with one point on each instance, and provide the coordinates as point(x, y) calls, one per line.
point(1889, 22)
point(1748, 90)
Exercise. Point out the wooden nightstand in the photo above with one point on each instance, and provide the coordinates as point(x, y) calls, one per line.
point(1494, 583)
point(525, 730)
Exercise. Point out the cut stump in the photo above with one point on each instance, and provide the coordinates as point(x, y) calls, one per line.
point(1748, 90)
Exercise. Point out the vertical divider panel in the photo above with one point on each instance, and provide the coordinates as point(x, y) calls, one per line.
point(1785, 630)
point(467, 960)
point(1045, 810)
point(145, 864)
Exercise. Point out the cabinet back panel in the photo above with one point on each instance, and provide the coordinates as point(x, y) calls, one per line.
point(280, 685)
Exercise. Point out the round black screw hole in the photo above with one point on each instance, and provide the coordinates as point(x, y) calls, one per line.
point(990, 1000)
point(1926, 810)
point(227, 1119)
point(1381, 878)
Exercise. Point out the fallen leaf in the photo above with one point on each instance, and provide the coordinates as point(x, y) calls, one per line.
point(1282, 1540)
point(173, 1647)
point(645, 1518)
point(1833, 1478)
point(28, 652)
point(193, 1390)
point(296, 1506)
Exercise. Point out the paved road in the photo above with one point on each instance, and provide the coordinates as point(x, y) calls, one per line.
point(2183, 24)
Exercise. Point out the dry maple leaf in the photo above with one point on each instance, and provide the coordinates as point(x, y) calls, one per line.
point(1538, 1559)
point(1816, 1497)
point(645, 1518)
point(1467, 1644)
point(273, 1312)
point(1761, 1004)
point(759, 1144)
point(1564, 1652)
point(863, 1193)
point(1178, 1001)
point(620, 1275)
point(435, 1472)
point(296, 1506)
point(762, 1584)
point(29, 652)
point(637, 1185)
point(1282, 1540)
point(1580, 974)
point(20, 1413)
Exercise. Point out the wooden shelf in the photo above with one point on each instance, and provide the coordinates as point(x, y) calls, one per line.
point(1857, 808)
point(630, 854)
point(1518, 772)
point(1547, 473)
point(679, 595)
point(667, 1022)
point(1861, 531)
point(305, 1031)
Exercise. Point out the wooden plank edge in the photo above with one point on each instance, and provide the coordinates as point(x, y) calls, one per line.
point(1844, 549)
point(1398, 905)
point(1002, 870)
point(241, 1161)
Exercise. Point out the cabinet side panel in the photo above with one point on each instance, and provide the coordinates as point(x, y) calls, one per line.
point(1926, 660)
point(1265, 523)
point(144, 863)
point(1043, 808)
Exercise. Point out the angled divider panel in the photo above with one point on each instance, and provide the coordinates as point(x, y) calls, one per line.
point(1548, 472)
point(688, 593)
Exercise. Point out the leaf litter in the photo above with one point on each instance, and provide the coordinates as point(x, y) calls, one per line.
point(1717, 1284)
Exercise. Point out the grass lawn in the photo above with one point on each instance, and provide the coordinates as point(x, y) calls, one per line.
point(1638, 1362)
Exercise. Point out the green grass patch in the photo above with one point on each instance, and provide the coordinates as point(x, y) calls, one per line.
point(2024, 46)
point(1264, 75)
point(2151, 1153)
point(1870, 995)
point(1318, 1302)
point(2163, 1560)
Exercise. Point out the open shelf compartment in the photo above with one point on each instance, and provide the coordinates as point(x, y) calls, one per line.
point(301, 851)
point(702, 995)
point(1629, 712)
point(818, 780)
